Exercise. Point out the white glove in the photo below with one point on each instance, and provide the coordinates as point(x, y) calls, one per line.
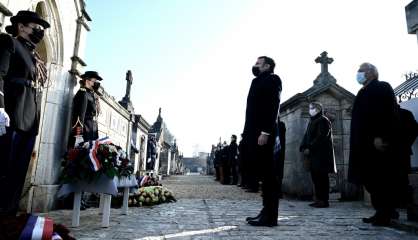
point(78, 140)
point(4, 121)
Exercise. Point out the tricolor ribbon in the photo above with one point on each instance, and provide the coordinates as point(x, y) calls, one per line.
point(94, 146)
point(37, 228)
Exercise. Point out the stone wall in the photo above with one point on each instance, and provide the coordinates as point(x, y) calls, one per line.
point(114, 122)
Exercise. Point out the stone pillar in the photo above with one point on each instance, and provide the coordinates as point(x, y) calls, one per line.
point(168, 162)
point(296, 180)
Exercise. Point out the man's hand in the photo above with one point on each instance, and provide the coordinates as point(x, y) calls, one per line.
point(306, 152)
point(4, 121)
point(380, 145)
point(262, 139)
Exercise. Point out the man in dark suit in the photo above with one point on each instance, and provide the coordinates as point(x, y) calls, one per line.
point(259, 136)
point(317, 146)
point(22, 76)
point(374, 144)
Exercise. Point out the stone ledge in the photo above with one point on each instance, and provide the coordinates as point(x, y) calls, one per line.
point(5, 10)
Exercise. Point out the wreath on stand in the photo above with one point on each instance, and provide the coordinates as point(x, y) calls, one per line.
point(90, 160)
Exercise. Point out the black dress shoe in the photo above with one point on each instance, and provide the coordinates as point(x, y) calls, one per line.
point(381, 222)
point(254, 218)
point(369, 219)
point(262, 222)
point(374, 218)
point(321, 204)
point(252, 190)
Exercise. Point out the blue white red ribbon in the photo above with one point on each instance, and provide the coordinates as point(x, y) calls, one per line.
point(94, 146)
point(37, 228)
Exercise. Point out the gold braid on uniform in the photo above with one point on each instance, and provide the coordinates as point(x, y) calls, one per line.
point(41, 72)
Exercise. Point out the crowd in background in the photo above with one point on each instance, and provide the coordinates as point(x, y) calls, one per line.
point(233, 167)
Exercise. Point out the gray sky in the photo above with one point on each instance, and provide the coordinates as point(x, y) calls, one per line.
point(193, 58)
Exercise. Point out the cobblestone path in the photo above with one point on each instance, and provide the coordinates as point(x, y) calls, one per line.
point(207, 210)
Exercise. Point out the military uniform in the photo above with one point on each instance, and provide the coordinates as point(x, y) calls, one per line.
point(84, 115)
point(20, 97)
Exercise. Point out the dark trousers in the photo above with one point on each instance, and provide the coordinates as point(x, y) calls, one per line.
point(226, 173)
point(321, 184)
point(382, 197)
point(234, 174)
point(217, 173)
point(15, 154)
point(266, 171)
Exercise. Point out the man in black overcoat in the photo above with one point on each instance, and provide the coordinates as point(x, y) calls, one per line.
point(233, 159)
point(409, 132)
point(317, 146)
point(225, 166)
point(259, 136)
point(373, 160)
point(217, 162)
point(22, 77)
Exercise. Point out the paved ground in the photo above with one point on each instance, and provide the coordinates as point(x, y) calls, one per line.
point(208, 210)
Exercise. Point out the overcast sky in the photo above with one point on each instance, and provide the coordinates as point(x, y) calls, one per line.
point(193, 58)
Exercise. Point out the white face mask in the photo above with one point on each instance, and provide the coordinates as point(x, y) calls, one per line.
point(361, 77)
point(313, 112)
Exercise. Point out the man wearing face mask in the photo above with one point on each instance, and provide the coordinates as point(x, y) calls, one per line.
point(85, 109)
point(374, 144)
point(259, 136)
point(22, 77)
point(318, 149)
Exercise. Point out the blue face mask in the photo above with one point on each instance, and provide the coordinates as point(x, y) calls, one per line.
point(361, 77)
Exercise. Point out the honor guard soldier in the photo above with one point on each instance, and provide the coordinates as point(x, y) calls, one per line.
point(84, 125)
point(22, 77)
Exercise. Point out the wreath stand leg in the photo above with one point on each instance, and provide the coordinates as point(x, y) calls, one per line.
point(125, 200)
point(76, 209)
point(106, 210)
point(101, 202)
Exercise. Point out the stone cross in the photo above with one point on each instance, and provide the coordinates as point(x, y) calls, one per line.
point(324, 60)
point(129, 80)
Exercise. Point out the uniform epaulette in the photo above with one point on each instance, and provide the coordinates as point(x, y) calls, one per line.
point(83, 89)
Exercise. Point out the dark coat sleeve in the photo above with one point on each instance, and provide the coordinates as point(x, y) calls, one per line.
point(6, 49)
point(410, 127)
point(384, 111)
point(79, 107)
point(321, 134)
point(270, 102)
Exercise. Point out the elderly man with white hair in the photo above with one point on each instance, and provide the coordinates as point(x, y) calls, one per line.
point(374, 144)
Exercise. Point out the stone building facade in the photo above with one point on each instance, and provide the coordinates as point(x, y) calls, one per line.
point(294, 113)
point(168, 157)
point(139, 139)
point(411, 11)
